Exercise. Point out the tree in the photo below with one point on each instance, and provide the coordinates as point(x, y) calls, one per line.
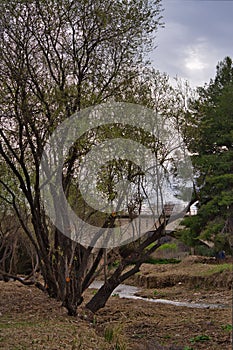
point(213, 159)
point(56, 58)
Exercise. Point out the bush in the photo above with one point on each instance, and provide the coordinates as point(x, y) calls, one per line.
point(154, 261)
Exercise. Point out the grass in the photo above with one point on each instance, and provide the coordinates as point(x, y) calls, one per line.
point(115, 295)
point(19, 324)
point(166, 336)
point(109, 334)
point(200, 338)
point(168, 246)
point(218, 269)
point(59, 333)
point(112, 334)
point(227, 327)
point(33, 321)
point(154, 261)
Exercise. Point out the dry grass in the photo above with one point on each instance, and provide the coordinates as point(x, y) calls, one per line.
point(188, 273)
point(31, 320)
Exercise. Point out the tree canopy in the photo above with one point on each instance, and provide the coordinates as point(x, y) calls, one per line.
point(56, 58)
point(213, 160)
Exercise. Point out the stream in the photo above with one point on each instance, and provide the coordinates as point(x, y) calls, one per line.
point(128, 292)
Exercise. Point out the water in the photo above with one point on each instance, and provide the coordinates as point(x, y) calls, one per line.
point(128, 292)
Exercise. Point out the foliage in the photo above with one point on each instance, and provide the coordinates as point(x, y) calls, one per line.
point(162, 261)
point(57, 57)
point(213, 160)
point(204, 250)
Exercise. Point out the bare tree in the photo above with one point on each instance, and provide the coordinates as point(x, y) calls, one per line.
point(17, 254)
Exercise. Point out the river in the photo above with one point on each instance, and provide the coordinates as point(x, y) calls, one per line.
point(129, 292)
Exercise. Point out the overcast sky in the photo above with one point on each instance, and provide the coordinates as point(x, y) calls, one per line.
point(197, 35)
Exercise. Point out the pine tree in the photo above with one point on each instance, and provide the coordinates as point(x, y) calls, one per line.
point(213, 162)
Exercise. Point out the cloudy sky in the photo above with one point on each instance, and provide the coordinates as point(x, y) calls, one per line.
point(197, 35)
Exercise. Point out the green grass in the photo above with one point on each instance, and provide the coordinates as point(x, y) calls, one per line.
point(167, 246)
point(166, 336)
point(200, 338)
point(109, 334)
point(227, 327)
point(154, 261)
point(112, 335)
point(218, 269)
point(19, 324)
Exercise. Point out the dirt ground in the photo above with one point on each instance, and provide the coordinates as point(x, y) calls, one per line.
point(29, 319)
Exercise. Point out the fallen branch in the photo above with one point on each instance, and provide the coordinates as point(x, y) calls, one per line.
point(6, 276)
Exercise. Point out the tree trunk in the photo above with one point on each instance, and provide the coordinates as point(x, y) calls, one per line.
point(101, 297)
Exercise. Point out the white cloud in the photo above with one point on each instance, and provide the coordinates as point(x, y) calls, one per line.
point(195, 58)
point(199, 61)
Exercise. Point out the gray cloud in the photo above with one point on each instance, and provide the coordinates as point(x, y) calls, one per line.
point(196, 36)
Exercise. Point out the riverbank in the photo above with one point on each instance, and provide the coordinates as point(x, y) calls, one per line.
point(29, 319)
point(191, 273)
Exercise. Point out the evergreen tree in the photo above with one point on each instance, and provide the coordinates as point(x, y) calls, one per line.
point(213, 162)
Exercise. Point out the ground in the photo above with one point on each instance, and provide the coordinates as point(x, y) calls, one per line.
point(29, 319)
